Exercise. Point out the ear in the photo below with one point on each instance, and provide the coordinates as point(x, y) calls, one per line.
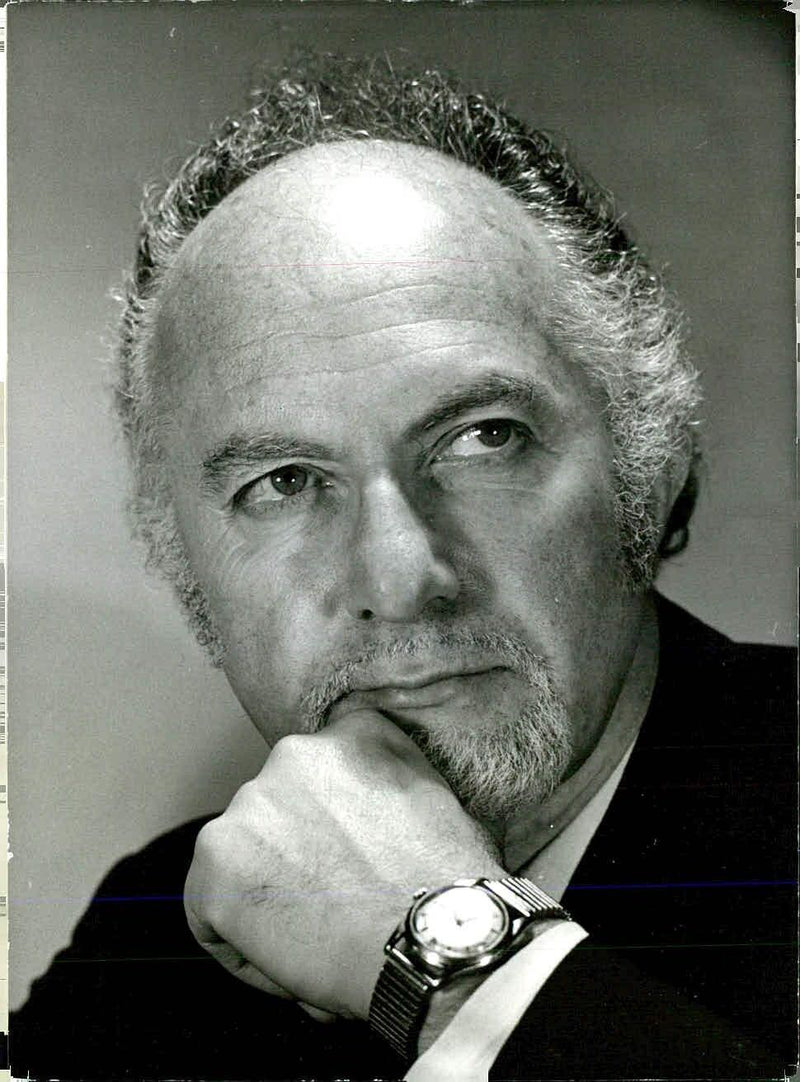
point(675, 495)
point(667, 490)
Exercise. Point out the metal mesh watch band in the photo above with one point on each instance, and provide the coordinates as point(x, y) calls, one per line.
point(400, 1001)
point(398, 1008)
point(525, 895)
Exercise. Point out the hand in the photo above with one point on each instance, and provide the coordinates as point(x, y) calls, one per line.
point(298, 885)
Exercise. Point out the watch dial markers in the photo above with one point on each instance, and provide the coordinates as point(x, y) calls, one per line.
point(460, 922)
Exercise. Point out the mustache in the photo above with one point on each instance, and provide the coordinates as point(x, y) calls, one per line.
point(450, 649)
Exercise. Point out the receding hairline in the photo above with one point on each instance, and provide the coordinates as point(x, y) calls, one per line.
point(318, 169)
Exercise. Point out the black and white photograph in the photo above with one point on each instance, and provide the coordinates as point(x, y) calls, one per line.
point(401, 418)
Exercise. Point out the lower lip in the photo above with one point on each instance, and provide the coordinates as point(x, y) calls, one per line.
point(404, 703)
point(428, 695)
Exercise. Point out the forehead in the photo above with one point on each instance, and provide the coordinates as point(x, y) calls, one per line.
point(352, 260)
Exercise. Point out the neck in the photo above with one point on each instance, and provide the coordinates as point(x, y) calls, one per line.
point(532, 825)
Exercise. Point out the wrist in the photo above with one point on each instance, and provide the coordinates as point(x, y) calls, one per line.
point(451, 937)
point(447, 1002)
point(387, 919)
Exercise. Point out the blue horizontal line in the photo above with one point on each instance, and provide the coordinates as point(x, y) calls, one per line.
point(139, 898)
point(577, 886)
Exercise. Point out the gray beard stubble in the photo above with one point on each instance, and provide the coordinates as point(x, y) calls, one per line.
point(492, 770)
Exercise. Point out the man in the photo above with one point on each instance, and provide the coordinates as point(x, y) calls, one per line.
point(411, 428)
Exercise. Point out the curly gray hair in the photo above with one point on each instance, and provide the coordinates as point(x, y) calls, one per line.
point(612, 314)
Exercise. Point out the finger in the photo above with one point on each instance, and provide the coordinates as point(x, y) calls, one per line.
point(232, 959)
point(317, 1014)
point(250, 974)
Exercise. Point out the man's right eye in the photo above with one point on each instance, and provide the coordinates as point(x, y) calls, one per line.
point(277, 488)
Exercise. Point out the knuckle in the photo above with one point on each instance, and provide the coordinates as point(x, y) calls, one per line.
point(241, 800)
point(208, 842)
point(289, 749)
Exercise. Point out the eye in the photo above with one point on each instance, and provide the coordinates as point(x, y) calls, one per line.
point(277, 488)
point(288, 480)
point(485, 437)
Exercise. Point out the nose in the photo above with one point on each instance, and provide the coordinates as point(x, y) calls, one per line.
point(396, 568)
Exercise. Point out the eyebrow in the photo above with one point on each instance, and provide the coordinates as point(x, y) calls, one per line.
point(241, 450)
point(490, 390)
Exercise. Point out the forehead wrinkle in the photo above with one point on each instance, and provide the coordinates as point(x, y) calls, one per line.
point(501, 317)
point(237, 351)
point(282, 369)
point(410, 324)
point(293, 297)
point(182, 309)
point(239, 355)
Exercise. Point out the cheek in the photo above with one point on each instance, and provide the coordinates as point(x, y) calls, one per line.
point(265, 602)
point(553, 560)
point(575, 543)
point(269, 604)
point(246, 569)
point(555, 539)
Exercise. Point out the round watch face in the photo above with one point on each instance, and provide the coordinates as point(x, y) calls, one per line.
point(458, 922)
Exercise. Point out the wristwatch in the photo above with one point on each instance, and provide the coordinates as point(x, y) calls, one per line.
point(467, 926)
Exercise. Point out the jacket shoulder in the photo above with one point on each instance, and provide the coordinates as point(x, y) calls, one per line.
point(720, 690)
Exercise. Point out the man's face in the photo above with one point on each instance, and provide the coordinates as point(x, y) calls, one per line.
point(388, 485)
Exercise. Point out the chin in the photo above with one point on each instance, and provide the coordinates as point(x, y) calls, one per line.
point(493, 771)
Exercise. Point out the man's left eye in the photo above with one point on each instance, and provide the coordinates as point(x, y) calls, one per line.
point(485, 437)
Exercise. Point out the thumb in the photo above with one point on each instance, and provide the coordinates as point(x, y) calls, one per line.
point(377, 739)
point(368, 724)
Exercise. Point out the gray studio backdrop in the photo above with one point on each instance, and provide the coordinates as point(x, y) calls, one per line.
point(119, 729)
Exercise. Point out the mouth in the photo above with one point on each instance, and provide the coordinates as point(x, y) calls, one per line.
point(412, 692)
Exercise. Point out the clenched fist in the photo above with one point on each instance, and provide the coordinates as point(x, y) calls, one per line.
point(298, 885)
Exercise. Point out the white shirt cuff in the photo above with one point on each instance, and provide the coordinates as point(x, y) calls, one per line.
point(466, 1049)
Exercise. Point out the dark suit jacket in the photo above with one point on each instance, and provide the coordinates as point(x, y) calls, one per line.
point(687, 890)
